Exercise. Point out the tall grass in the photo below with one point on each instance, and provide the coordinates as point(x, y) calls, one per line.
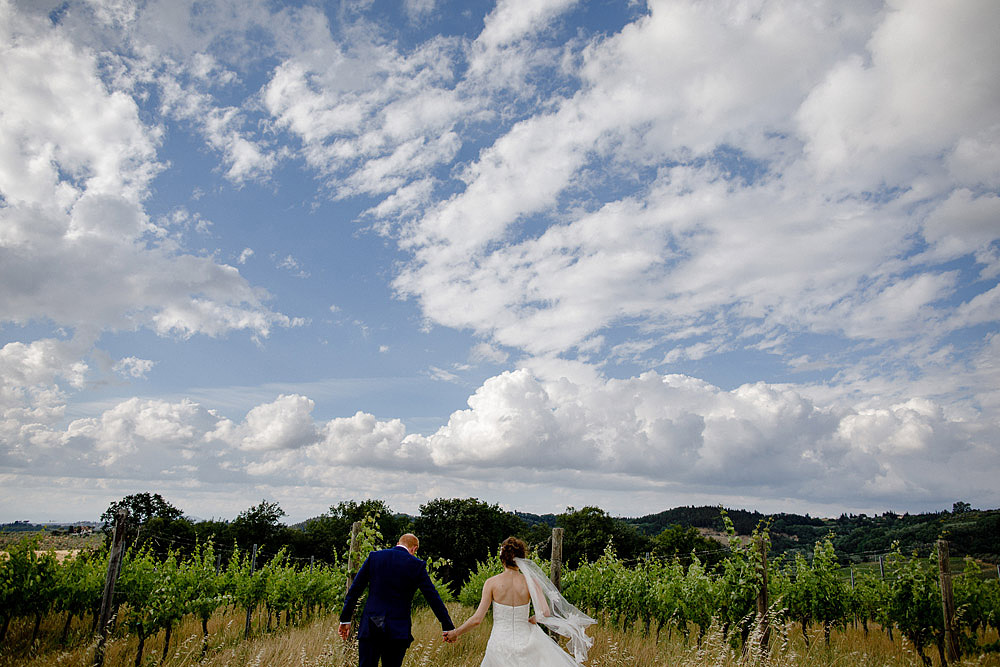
point(317, 644)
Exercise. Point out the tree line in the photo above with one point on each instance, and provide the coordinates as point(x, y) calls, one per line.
point(461, 531)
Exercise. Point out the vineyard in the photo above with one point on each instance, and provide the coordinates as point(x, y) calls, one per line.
point(904, 596)
point(155, 594)
point(666, 599)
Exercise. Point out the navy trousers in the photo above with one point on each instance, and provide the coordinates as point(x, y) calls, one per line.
point(378, 647)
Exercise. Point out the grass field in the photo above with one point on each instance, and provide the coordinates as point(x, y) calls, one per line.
point(316, 644)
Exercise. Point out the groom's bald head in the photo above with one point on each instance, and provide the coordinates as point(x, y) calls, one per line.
point(410, 541)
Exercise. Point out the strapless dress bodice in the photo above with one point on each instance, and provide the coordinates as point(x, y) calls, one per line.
point(516, 642)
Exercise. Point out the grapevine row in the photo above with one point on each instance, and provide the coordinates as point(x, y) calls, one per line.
point(155, 594)
point(690, 597)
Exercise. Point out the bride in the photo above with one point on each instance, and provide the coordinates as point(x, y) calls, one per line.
point(516, 640)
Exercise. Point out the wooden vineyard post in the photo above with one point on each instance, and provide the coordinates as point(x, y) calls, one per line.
point(108, 597)
point(763, 626)
point(947, 602)
point(352, 555)
point(852, 589)
point(556, 560)
point(352, 566)
point(253, 568)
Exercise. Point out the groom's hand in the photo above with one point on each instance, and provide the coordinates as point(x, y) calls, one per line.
point(344, 630)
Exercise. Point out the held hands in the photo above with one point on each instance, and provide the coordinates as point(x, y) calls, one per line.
point(449, 636)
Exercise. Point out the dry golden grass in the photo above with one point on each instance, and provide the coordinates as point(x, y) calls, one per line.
point(316, 644)
point(55, 542)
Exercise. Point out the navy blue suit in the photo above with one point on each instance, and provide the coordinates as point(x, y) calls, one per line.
point(392, 577)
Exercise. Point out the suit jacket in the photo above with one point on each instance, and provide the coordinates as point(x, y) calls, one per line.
point(392, 577)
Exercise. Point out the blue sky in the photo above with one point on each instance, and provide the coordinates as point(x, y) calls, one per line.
point(625, 254)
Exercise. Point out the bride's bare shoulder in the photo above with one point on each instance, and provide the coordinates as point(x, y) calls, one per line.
point(493, 581)
point(503, 580)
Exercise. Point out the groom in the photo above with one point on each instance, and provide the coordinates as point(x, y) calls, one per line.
point(392, 577)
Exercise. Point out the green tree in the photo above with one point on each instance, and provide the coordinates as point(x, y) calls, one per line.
point(465, 531)
point(215, 531)
point(328, 535)
point(258, 525)
point(164, 535)
point(588, 532)
point(139, 508)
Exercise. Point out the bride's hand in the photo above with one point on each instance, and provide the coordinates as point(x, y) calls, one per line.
point(531, 619)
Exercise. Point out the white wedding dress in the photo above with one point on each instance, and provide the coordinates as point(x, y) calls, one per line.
point(516, 642)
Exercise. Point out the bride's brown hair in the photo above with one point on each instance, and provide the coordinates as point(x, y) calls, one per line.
point(512, 548)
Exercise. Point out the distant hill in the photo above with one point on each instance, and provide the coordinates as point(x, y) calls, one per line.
point(856, 537)
point(710, 517)
point(30, 527)
point(537, 519)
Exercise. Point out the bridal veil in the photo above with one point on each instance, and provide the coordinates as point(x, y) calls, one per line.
point(555, 612)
